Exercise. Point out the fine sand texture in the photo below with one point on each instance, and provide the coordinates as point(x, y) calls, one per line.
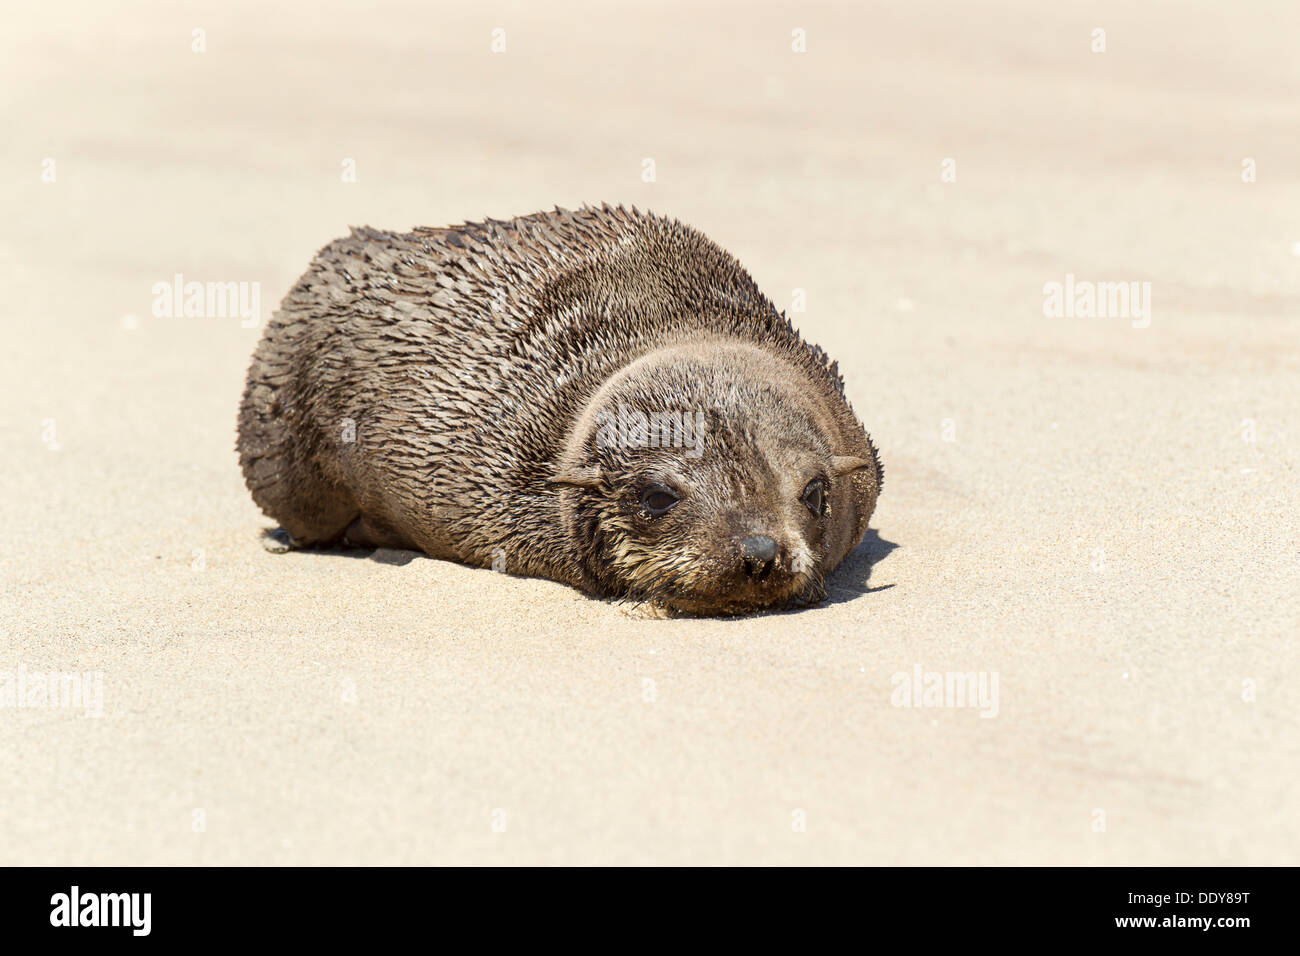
point(1094, 515)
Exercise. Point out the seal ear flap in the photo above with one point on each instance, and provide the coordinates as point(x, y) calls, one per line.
point(579, 477)
point(845, 464)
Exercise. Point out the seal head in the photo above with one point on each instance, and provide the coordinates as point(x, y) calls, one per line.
point(711, 478)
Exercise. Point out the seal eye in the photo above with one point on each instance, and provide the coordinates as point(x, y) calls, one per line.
point(814, 497)
point(658, 499)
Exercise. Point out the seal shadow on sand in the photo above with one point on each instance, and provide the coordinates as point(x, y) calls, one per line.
point(389, 556)
point(852, 578)
point(848, 582)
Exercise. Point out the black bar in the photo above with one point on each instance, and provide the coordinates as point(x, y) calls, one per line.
point(333, 905)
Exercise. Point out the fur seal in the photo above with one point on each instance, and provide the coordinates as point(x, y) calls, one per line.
point(602, 397)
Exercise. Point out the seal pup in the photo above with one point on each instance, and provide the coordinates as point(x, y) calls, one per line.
point(601, 397)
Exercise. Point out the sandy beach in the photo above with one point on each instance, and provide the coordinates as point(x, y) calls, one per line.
point(1095, 512)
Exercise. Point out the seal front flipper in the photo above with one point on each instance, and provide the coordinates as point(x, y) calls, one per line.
point(279, 541)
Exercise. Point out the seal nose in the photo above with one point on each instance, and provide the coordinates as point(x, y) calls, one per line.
point(759, 551)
